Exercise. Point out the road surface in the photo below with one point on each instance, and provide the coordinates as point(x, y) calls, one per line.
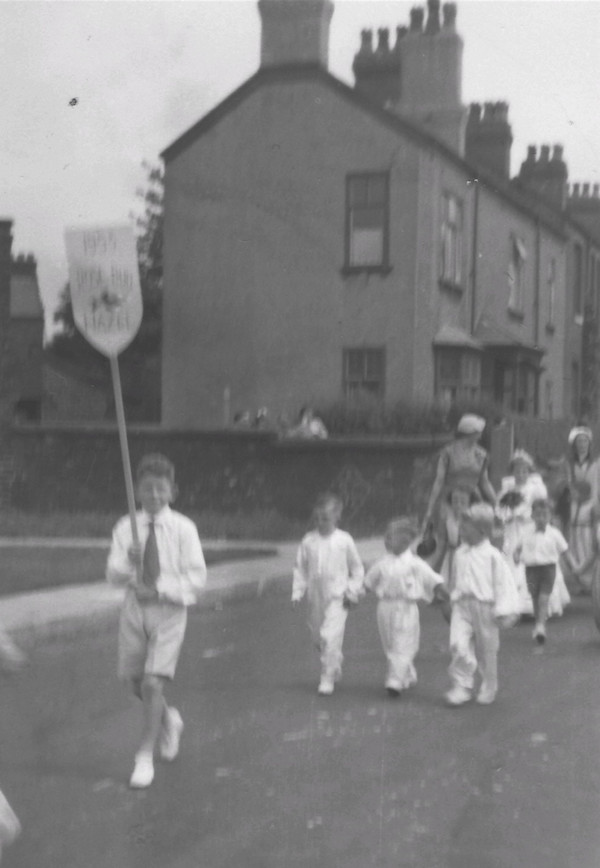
point(273, 776)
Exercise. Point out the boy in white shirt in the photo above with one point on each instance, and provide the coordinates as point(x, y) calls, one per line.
point(400, 579)
point(163, 574)
point(540, 550)
point(484, 597)
point(329, 570)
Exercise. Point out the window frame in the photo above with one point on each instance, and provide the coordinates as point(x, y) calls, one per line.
point(551, 287)
point(516, 276)
point(578, 280)
point(384, 266)
point(350, 381)
point(452, 274)
point(468, 362)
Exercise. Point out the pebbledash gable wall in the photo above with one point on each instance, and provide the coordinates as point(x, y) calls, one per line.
point(79, 469)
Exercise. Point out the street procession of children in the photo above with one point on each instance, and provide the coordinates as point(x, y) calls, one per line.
point(489, 560)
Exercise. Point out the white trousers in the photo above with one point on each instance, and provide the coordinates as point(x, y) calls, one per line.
point(474, 643)
point(327, 622)
point(400, 631)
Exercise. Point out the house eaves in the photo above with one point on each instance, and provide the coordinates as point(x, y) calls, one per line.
point(305, 72)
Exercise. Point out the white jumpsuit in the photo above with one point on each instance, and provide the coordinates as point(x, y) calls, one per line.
point(328, 568)
point(484, 589)
point(399, 581)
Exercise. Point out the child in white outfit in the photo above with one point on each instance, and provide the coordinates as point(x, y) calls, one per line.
point(329, 570)
point(484, 597)
point(400, 579)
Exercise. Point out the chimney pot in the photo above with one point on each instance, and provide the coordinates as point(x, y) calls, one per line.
point(586, 190)
point(433, 17)
point(383, 45)
point(449, 15)
point(544, 153)
point(400, 33)
point(417, 14)
point(576, 190)
point(531, 153)
point(596, 190)
point(557, 154)
point(366, 41)
point(475, 112)
point(488, 111)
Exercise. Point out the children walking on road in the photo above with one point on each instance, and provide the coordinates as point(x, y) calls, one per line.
point(484, 598)
point(330, 572)
point(400, 579)
point(163, 574)
point(540, 550)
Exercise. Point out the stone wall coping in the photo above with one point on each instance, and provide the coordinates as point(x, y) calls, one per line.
point(108, 429)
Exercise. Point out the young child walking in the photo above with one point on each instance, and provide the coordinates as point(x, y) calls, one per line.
point(163, 574)
point(541, 548)
point(484, 598)
point(330, 572)
point(400, 579)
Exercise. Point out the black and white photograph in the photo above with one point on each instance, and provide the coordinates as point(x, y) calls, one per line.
point(299, 434)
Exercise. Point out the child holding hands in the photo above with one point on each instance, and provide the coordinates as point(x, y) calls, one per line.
point(163, 575)
point(400, 579)
point(329, 570)
point(484, 597)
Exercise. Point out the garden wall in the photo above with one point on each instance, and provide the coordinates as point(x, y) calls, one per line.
point(79, 469)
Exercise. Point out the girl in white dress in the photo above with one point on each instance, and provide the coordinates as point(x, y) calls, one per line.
point(517, 493)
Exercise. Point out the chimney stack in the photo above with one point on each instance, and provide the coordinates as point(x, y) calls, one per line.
point(295, 31)
point(489, 138)
point(377, 73)
point(545, 176)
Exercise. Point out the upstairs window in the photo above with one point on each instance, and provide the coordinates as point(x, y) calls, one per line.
point(516, 272)
point(551, 292)
point(364, 373)
point(578, 282)
point(367, 221)
point(451, 266)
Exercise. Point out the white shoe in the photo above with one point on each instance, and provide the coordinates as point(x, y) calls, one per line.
point(143, 772)
point(485, 697)
point(458, 696)
point(170, 735)
point(326, 686)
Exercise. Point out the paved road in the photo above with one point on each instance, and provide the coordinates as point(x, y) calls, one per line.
point(271, 776)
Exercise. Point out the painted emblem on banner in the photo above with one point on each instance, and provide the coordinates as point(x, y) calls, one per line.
point(105, 286)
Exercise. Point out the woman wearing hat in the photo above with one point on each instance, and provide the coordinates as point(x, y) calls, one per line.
point(582, 476)
point(462, 463)
point(517, 493)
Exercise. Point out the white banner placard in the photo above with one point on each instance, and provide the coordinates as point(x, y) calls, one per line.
point(105, 286)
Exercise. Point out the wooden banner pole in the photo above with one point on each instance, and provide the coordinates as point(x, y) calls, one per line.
point(116, 378)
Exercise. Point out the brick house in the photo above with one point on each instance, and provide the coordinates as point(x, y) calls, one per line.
point(325, 241)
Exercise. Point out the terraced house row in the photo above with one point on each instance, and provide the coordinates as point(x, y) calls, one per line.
point(324, 242)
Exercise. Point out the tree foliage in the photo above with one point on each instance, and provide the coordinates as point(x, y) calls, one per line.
point(70, 353)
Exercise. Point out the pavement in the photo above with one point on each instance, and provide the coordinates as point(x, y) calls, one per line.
point(50, 612)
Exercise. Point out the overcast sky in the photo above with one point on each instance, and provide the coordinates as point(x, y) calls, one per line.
point(142, 72)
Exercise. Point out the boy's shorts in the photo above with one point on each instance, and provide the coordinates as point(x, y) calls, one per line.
point(150, 638)
point(540, 579)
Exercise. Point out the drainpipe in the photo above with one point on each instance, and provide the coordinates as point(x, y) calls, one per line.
point(475, 183)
